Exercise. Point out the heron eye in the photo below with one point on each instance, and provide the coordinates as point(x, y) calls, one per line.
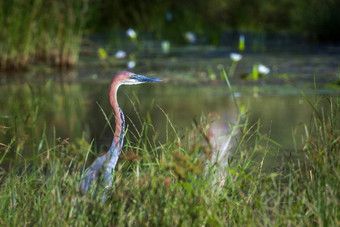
point(130, 76)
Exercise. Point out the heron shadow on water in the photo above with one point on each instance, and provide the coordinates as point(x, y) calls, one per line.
point(103, 167)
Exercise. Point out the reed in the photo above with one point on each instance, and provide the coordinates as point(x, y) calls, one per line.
point(40, 31)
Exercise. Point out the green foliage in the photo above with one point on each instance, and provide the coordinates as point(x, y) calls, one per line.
point(102, 54)
point(241, 43)
point(255, 73)
point(315, 19)
point(35, 30)
point(318, 20)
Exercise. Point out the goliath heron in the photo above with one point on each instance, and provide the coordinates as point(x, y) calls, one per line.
point(104, 165)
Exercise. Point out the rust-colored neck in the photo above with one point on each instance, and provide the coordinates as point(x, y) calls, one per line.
point(114, 104)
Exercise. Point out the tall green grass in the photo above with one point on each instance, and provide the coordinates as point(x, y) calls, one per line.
point(166, 183)
point(40, 31)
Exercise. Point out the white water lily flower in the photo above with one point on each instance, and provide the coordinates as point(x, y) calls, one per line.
point(131, 64)
point(120, 54)
point(235, 57)
point(190, 37)
point(263, 69)
point(168, 16)
point(165, 46)
point(131, 33)
point(237, 94)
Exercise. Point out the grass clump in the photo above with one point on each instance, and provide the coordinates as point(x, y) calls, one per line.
point(40, 31)
point(167, 184)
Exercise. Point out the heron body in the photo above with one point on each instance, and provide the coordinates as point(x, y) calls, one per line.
point(104, 165)
point(220, 134)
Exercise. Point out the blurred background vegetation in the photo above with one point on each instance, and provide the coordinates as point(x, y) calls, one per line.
point(52, 31)
point(317, 20)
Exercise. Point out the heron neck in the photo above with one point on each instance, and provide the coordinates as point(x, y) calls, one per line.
point(117, 141)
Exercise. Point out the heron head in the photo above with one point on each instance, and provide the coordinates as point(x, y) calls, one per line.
point(130, 78)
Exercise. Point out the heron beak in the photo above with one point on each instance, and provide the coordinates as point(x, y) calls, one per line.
point(145, 79)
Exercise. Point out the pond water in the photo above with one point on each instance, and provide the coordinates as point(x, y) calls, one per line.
point(279, 113)
point(187, 93)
